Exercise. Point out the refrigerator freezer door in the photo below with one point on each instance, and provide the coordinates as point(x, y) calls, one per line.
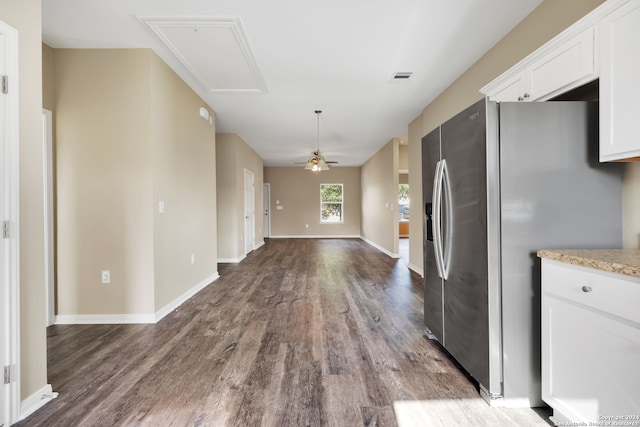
point(466, 325)
point(432, 282)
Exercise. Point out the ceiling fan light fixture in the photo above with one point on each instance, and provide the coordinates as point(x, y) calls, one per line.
point(322, 165)
point(310, 164)
point(316, 163)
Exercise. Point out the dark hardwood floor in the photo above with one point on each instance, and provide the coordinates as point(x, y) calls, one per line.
point(303, 332)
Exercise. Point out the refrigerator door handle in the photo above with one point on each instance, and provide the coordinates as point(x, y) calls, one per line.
point(446, 236)
point(437, 224)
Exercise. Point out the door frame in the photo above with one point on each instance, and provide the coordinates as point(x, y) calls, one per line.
point(266, 207)
point(249, 212)
point(11, 196)
point(49, 237)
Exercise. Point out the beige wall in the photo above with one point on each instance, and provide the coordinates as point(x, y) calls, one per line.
point(631, 206)
point(128, 135)
point(25, 17)
point(403, 157)
point(104, 181)
point(415, 192)
point(380, 198)
point(298, 191)
point(229, 205)
point(184, 177)
point(48, 86)
point(233, 157)
point(541, 25)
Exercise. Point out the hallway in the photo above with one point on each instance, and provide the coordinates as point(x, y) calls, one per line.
point(303, 332)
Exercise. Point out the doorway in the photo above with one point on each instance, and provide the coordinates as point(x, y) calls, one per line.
point(49, 257)
point(9, 247)
point(249, 212)
point(266, 204)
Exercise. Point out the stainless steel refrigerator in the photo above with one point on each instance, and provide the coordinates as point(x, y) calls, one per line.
point(501, 181)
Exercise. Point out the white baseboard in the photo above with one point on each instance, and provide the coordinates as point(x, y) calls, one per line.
point(315, 237)
point(416, 269)
point(36, 401)
point(380, 248)
point(121, 319)
point(231, 260)
point(185, 296)
point(104, 319)
point(260, 244)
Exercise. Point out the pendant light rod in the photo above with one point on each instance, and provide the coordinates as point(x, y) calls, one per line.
point(318, 112)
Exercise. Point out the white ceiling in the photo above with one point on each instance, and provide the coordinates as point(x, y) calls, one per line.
point(265, 66)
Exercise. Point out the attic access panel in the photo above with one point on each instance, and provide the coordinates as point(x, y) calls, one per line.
point(215, 50)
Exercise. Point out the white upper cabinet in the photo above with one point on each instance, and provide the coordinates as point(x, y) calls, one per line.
point(620, 83)
point(555, 68)
point(604, 44)
point(565, 67)
point(511, 89)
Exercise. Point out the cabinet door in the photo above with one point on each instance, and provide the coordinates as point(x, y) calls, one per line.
point(590, 363)
point(555, 68)
point(567, 66)
point(511, 90)
point(620, 83)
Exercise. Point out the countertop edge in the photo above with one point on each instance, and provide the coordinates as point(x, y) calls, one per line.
point(620, 261)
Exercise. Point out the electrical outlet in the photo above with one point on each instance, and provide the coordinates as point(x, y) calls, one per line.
point(106, 276)
point(193, 258)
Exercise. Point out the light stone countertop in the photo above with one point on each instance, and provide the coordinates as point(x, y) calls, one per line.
point(621, 261)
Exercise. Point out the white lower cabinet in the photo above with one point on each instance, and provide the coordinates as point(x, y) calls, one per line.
point(590, 345)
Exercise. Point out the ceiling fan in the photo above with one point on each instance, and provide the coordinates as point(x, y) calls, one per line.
point(317, 162)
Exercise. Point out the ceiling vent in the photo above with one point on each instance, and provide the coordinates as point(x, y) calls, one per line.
point(401, 76)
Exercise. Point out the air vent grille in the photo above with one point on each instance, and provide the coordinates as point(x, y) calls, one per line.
point(401, 76)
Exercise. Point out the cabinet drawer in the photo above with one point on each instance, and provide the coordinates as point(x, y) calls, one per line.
point(612, 293)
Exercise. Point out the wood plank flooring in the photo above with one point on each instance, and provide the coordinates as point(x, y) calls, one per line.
point(303, 332)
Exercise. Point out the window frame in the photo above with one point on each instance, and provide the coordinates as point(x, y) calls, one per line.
point(341, 204)
point(401, 215)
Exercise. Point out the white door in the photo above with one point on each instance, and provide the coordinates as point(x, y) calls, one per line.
point(9, 261)
point(49, 278)
point(266, 206)
point(249, 212)
point(4, 249)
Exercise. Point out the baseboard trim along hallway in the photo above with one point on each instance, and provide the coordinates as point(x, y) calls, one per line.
point(36, 401)
point(126, 319)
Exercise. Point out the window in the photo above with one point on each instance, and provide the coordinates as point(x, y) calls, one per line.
point(330, 203)
point(403, 201)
